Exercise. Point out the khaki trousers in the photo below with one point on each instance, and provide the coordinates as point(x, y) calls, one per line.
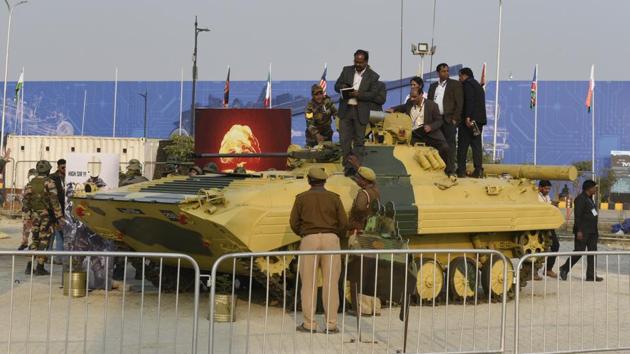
point(331, 270)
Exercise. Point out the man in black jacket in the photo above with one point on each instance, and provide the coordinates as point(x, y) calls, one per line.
point(354, 109)
point(448, 95)
point(425, 121)
point(585, 231)
point(473, 120)
point(59, 177)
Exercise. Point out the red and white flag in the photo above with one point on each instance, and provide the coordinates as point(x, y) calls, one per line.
point(591, 89)
point(226, 90)
point(322, 81)
point(267, 101)
point(482, 81)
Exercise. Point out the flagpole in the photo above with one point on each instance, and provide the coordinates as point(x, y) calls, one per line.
point(115, 98)
point(269, 83)
point(181, 100)
point(22, 105)
point(593, 124)
point(496, 92)
point(536, 117)
point(83, 114)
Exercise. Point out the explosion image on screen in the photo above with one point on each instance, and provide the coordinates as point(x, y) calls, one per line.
point(239, 139)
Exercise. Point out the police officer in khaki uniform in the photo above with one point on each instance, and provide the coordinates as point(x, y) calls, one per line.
point(41, 203)
point(320, 219)
point(319, 113)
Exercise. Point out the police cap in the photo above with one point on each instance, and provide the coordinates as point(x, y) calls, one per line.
point(317, 173)
point(367, 174)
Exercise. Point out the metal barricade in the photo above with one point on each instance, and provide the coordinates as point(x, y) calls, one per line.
point(576, 315)
point(439, 309)
point(94, 313)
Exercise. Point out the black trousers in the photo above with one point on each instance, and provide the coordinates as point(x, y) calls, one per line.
point(419, 136)
point(351, 135)
point(466, 139)
point(450, 134)
point(555, 246)
point(588, 242)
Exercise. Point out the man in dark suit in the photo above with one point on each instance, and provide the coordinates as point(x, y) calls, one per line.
point(354, 110)
point(448, 95)
point(426, 122)
point(585, 231)
point(473, 120)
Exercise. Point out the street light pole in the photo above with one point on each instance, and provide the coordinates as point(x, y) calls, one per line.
point(6, 68)
point(145, 95)
point(194, 75)
point(496, 91)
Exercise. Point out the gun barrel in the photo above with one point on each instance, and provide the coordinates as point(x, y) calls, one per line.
point(558, 172)
point(377, 117)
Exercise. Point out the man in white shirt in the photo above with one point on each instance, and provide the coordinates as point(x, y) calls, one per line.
point(354, 107)
point(544, 187)
point(448, 95)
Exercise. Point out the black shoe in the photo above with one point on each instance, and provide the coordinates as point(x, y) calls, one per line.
point(40, 270)
point(563, 274)
point(477, 173)
point(27, 271)
point(594, 279)
point(331, 331)
point(461, 174)
point(23, 247)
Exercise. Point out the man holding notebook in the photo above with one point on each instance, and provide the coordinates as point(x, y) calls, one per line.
point(358, 86)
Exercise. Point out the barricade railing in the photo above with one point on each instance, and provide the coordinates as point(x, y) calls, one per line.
point(431, 301)
point(576, 315)
point(95, 313)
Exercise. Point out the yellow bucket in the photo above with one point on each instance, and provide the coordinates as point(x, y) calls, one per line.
point(603, 206)
point(618, 206)
point(77, 281)
point(224, 308)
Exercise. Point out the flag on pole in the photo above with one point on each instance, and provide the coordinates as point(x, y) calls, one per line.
point(533, 90)
point(482, 82)
point(322, 81)
point(267, 101)
point(591, 89)
point(18, 86)
point(226, 90)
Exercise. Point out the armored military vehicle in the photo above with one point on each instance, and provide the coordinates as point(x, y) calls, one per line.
point(210, 215)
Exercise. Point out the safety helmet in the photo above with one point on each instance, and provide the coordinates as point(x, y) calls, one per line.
point(43, 167)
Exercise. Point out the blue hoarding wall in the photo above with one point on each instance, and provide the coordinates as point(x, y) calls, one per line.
point(564, 125)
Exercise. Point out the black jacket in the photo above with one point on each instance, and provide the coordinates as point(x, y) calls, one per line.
point(584, 220)
point(431, 116)
point(61, 193)
point(368, 92)
point(380, 97)
point(453, 100)
point(474, 101)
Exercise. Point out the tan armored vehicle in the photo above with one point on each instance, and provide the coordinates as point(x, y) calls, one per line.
point(211, 215)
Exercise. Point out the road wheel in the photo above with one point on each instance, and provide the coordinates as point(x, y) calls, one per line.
point(492, 279)
point(462, 279)
point(430, 279)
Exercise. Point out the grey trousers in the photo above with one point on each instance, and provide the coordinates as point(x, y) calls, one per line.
point(351, 135)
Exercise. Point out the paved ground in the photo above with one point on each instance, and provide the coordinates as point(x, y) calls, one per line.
point(554, 314)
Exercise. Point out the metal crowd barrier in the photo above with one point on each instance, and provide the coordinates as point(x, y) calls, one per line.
point(137, 317)
point(474, 323)
point(573, 316)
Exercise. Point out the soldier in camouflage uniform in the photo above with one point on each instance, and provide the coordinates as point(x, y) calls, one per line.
point(41, 203)
point(133, 174)
point(27, 223)
point(319, 113)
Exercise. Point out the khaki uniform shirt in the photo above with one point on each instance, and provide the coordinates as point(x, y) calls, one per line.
point(361, 207)
point(318, 211)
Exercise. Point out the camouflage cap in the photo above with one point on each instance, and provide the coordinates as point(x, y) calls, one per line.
point(211, 167)
point(316, 89)
point(134, 162)
point(43, 166)
point(317, 173)
point(196, 169)
point(134, 167)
